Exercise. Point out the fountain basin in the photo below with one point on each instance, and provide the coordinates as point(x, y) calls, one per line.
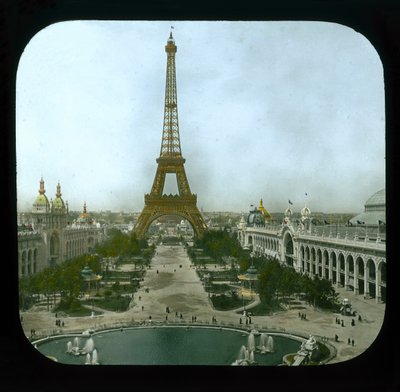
point(168, 345)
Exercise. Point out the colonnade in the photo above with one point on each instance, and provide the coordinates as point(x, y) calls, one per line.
point(362, 273)
point(35, 252)
point(352, 264)
point(28, 261)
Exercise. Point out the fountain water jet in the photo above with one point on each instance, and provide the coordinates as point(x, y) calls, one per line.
point(73, 348)
point(95, 357)
point(245, 357)
point(76, 342)
point(270, 344)
point(251, 357)
point(243, 353)
point(251, 342)
point(89, 346)
point(266, 344)
point(88, 360)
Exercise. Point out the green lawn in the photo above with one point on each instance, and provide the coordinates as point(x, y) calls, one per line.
point(113, 303)
point(224, 302)
point(264, 309)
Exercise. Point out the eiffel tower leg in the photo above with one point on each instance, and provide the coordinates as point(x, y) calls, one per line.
point(143, 223)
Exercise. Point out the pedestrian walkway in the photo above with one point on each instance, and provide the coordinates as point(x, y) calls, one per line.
point(172, 282)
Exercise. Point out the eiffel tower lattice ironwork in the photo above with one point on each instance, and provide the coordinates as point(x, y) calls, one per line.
point(170, 160)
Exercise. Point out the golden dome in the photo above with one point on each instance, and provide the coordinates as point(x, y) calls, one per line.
point(263, 210)
point(84, 217)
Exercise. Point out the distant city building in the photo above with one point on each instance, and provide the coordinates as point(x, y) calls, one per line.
point(351, 256)
point(46, 238)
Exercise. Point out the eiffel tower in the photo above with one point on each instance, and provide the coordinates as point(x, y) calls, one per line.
point(170, 161)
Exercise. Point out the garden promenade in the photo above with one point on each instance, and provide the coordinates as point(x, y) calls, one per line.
point(172, 282)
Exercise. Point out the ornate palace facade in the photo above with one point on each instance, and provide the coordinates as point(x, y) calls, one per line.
point(351, 256)
point(47, 238)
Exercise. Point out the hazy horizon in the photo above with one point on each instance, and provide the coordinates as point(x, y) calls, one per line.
point(271, 110)
point(128, 212)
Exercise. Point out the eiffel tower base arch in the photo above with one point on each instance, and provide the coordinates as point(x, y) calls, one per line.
point(157, 206)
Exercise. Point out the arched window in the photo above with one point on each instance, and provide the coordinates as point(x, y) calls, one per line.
point(371, 269)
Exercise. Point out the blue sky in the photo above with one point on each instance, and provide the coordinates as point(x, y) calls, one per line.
point(266, 109)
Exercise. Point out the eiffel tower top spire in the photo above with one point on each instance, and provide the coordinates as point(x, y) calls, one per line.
point(170, 143)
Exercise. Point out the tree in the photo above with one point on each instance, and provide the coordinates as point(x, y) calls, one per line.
point(244, 264)
point(26, 289)
point(217, 244)
point(47, 283)
point(288, 282)
point(121, 244)
point(325, 293)
point(269, 279)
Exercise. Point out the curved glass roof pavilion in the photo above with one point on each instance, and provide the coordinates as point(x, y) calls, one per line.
point(374, 211)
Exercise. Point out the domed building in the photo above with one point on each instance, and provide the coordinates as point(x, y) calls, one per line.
point(41, 203)
point(84, 218)
point(287, 216)
point(58, 203)
point(258, 216)
point(59, 209)
point(49, 215)
point(265, 213)
point(305, 213)
point(305, 219)
point(51, 239)
point(374, 211)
